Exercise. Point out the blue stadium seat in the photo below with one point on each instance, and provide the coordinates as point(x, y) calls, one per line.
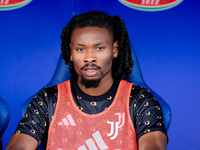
point(62, 74)
point(4, 118)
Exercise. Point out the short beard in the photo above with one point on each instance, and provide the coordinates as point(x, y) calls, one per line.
point(90, 83)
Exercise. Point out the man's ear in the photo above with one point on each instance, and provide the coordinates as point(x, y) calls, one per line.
point(115, 49)
point(71, 58)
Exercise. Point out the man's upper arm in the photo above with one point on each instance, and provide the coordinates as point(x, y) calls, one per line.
point(153, 141)
point(22, 142)
point(34, 126)
point(147, 117)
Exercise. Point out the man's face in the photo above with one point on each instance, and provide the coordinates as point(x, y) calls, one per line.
point(92, 53)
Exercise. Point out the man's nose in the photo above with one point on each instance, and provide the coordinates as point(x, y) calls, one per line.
point(90, 56)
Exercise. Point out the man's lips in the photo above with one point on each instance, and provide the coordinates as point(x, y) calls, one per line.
point(90, 69)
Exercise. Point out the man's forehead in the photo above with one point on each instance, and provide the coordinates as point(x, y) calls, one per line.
point(95, 44)
point(95, 35)
point(92, 29)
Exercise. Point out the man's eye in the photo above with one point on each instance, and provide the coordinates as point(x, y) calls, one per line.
point(100, 48)
point(79, 49)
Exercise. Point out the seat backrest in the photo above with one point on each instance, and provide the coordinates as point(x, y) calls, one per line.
point(62, 74)
point(4, 117)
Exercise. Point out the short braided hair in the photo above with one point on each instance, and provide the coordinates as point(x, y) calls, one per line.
point(122, 65)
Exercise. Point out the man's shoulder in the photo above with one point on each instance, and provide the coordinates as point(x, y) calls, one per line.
point(49, 90)
point(46, 95)
point(138, 88)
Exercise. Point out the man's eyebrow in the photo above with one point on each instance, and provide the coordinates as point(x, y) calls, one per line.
point(98, 44)
point(79, 44)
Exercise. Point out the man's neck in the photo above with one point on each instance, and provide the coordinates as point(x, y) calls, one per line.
point(102, 88)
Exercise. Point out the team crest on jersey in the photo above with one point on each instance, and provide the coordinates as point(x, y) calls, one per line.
point(12, 4)
point(151, 5)
point(116, 125)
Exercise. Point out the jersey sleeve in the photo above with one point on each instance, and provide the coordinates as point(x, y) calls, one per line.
point(36, 119)
point(146, 112)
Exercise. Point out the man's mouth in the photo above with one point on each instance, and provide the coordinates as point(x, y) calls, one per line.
point(90, 71)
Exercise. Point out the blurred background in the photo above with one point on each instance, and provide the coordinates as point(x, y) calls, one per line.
point(167, 44)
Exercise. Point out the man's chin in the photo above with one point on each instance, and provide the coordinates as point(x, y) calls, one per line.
point(90, 83)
